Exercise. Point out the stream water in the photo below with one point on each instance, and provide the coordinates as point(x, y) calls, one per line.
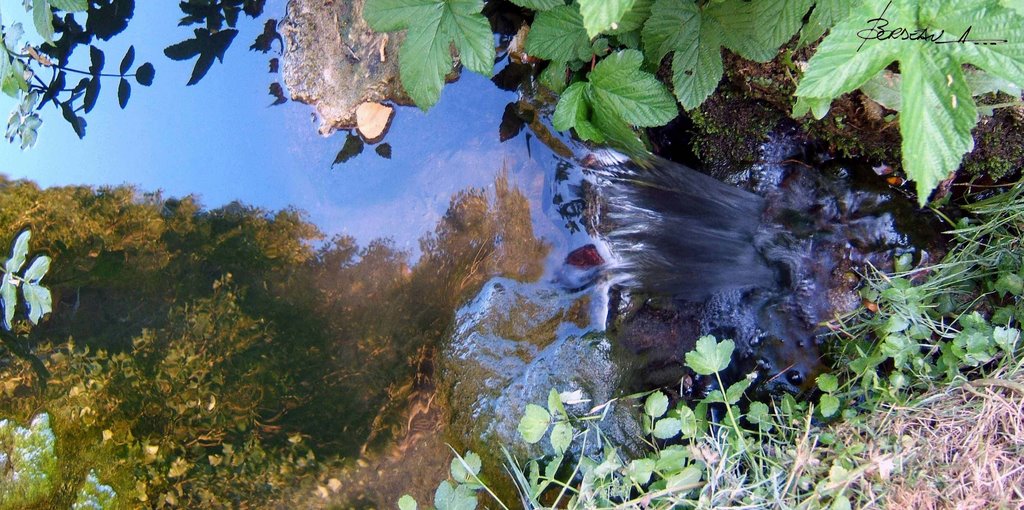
point(512, 258)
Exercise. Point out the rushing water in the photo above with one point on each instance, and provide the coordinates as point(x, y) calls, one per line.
point(506, 259)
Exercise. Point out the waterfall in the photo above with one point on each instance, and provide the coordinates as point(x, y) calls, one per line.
point(677, 231)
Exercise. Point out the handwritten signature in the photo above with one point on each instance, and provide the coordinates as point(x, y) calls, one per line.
point(880, 31)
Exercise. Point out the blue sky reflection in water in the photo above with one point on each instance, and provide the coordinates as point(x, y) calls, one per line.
point(220, 140)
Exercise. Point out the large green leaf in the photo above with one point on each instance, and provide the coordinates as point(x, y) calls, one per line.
point(710, 356)
point(826, 13)
point(601, 15)
point(617, 96)
point(558, 35)
point(539, 5)
point(42, 16)
point(8, 300)
point(756, 30)
point(433, 25)
point(618, 84)
point(937, 111)
point(696, 36)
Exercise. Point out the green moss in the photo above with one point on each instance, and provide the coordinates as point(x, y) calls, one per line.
point(729, 128)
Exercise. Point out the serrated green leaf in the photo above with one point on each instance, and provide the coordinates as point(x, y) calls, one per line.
point(937, 118)
point(825, 14)
point(534, 423)
point(539, 5)
point(937, 110)
point(602, 15)
point(70, 5)
point(709, 356)
point(828, 405)
point(42, 17)
point(558, 35)
point(406, 502)
point(465, 469)
point(828, 383)
point(634, 18)
point(666, 428)
point(618, 83)
point(677, 26)
point(561, 436)
point(612, 128)
point(433, 25)
point(656, 404)
point(756, 30)
point(569, 106)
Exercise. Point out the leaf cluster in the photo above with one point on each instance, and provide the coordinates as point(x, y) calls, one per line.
point(937, 111)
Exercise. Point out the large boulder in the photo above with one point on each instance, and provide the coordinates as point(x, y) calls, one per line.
point(334, 61)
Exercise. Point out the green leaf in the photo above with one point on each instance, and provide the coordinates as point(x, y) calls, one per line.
point(539, 5)
point(18, 253)
point(601, 15)
point(42, 16)
point(1009, 283)
point(9, 300)
point(465, 469)
point(938, 112)
point(667, 428)
point(687, 478)
point(828, 383)
point(534, 423)
point(570, 105)
point(710, 356)
point(1006, 338)
point(756, 30)
point(825, 14)
point(433, 25)
point(554, 77)
point(734, 393)
point(687, 422)
point(459, 497)
point(70, 5)
point(672, 459)
point(634, 18)
point(656, 404)
point(618, 84)
point(829, 405)
point(640, 470)
point(759, 415)
point(561, 437)
point(406, 502)
point(558, 35)
point(937, 118)
point(555, 406)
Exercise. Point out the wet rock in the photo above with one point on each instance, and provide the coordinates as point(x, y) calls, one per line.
point(334, 61)
point(509, 347)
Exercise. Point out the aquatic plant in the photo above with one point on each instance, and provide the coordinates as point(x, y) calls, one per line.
point(601, 55)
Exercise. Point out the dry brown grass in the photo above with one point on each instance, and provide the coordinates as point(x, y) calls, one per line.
point(961, 448)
